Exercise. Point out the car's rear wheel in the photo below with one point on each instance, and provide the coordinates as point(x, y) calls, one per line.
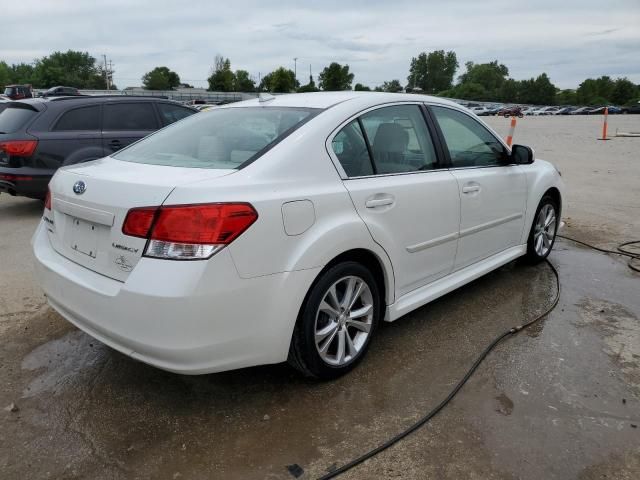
point(337, 322)
point(543, 231)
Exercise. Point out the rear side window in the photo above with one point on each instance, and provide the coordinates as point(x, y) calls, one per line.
point(350, 147)
point(129, 116)
point(85, 118)
point(224, 138)
point(14, 118)
point(469, 143)
point(172, 113)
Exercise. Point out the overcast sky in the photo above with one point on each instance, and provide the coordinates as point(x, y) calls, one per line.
point(570, 40)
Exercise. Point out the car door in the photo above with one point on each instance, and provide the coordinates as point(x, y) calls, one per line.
point(74, 136)
point(409, 202)
point(125, 122)
point(492, 191)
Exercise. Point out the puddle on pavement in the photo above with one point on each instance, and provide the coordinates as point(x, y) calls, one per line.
point(530, 389)
point(62, 360)
point(620, 331)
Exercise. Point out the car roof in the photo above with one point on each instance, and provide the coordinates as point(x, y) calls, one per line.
point(91, 98)
point(329, 99)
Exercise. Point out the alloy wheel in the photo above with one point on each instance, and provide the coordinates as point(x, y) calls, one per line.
point(545, 230)
point(344, 320)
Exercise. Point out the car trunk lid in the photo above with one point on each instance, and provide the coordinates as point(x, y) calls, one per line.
point(90, 202)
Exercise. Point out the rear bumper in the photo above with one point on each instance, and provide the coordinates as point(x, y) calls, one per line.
point(185, 317)
point(26, 182)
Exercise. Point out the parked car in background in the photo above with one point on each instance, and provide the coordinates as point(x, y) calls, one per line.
point(37, 136)
point(545, 111)
point(635, 109)
point(481, 111)
point(494, 109)
point(580, 111)
point(565, 110)
point(211, 246)
point(513, 111)
point(18, 92)
point(204, 106)
point(61, 92)
point(611, 110)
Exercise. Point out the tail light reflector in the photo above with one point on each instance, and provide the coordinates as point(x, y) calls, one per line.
point(189, 231)
point(138, 221)
point(19, 148)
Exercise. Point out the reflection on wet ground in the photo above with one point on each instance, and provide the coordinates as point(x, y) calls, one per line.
point(557, 402)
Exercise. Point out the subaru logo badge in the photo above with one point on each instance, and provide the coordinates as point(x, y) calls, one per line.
point(79, 187)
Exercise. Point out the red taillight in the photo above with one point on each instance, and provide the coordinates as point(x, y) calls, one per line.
point(19, 148)
point(138, 221)
point(47, 200)
point(213, 224)
point(177, 231)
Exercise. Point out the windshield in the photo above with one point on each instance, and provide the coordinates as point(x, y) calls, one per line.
point(223, 138)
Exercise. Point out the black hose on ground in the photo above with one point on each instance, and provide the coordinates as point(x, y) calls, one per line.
point(634, 256)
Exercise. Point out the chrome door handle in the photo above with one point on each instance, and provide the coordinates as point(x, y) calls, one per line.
point(471, 189)
point(378, 202)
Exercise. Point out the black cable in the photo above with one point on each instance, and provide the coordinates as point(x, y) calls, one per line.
point(634, 256)
point(456, 389)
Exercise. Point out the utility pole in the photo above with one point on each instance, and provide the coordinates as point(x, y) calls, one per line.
point(295, 70)
point(110, 75)
point(106, 72)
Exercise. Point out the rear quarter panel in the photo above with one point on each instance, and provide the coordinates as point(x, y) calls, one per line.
point(298, 168)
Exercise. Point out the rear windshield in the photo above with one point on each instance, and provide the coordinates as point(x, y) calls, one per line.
point(14, 118)
point(225, 138)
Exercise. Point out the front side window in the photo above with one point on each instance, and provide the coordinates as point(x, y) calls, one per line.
point(85, 118)
point(129, 116)
point(223, 138)
point(469, 143)
point(399, 139)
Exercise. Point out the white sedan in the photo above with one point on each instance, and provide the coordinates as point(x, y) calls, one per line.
point(287, 228)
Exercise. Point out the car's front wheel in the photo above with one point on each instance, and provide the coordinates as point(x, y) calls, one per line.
point(543, 231)
point(336, 323)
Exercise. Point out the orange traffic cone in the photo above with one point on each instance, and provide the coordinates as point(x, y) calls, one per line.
point(604, 125)
point(511, 130)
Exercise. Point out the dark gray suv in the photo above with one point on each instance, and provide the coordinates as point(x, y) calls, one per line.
point(37, 136)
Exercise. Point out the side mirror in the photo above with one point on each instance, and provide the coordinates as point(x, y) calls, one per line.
point(522, 155)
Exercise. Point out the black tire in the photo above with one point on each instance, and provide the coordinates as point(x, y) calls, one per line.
point(303, 352)
point(534, 255)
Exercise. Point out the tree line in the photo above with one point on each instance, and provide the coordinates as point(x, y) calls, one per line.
point(71, 68)
point(433, 73)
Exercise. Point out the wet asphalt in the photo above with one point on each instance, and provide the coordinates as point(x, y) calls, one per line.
point(559, 400)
